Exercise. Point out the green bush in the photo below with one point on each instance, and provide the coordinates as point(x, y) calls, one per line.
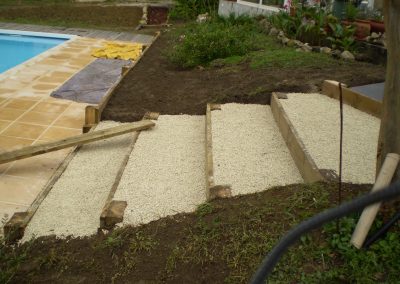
point(199, 44)
point(189, 9)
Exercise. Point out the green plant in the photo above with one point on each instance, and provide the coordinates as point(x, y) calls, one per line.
point(199, 44)
point(189, 9)
point(342, 37)
point(351, 11)
point(378, 263)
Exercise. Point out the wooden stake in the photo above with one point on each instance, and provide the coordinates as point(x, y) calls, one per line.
point(368, 215)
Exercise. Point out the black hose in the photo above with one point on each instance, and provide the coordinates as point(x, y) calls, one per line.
point(382, 231)
point(292, 236)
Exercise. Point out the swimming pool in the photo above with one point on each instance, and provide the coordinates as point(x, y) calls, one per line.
point(17, 47)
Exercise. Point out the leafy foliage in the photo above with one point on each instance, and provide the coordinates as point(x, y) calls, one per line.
point(342, 37)
point(199, 44)
point(189, 9)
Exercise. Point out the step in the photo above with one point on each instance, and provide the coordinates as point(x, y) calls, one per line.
point(249, 153)
point(316, 119)
point(75, 202)
point(165, 173)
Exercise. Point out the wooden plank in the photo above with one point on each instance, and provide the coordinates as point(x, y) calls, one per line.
point(113, 210)
point(73, 141)
point(352, 98)
point(303, 160)
point(14, 229)
point(212, 191)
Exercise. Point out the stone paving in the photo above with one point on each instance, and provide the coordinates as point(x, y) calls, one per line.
point(29, 116)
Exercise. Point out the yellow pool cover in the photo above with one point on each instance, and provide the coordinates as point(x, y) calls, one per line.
point(117, 50)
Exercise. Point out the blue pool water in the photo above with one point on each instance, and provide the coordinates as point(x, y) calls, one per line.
point(15, 49)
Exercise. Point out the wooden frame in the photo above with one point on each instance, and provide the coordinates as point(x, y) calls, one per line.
point(352, 98)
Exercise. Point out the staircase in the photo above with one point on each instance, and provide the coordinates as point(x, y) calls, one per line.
point(187, 160)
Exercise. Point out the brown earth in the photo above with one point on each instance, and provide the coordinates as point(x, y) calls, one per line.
point(155, 252)
point(156, 85)
point(97, 16)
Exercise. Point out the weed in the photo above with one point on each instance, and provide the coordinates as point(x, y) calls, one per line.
point(204, 209)
point(141, 243)
point(189, 9)
point(113, 241)
point(199, 44)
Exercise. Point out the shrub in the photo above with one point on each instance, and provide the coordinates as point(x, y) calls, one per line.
point(189, 9)
point(219, 38)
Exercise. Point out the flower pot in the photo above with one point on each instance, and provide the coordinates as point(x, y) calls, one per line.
point(346, 22)
point(377, 26)
point(363, 29)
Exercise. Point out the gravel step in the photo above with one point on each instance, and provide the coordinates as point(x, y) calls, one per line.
point(165, 173)
point(316, 118)
point(249, 153)
point(76, 200)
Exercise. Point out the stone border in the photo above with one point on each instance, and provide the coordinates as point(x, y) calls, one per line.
point(93, 112)
point(352, 98)
point(303, 160)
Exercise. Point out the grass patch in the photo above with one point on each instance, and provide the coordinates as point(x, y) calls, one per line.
point(223, 241)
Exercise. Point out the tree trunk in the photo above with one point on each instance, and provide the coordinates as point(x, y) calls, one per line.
point(389, 135)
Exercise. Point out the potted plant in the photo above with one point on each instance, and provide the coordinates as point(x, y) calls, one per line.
point(377, 24)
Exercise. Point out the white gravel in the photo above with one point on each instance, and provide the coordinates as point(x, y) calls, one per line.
point(317, 120)
point(74, 204)
point(249, 152)
point(165, 174)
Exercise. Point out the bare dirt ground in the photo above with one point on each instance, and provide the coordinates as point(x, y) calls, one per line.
point(156, 85)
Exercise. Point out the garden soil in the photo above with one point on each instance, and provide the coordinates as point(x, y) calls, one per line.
point(97, 259)
point(156, 85)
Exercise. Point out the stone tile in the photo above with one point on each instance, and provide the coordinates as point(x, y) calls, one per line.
point(44, 87)
point(4, 124)
point(12, 143)
point(20, 104)
point(41, 166)
point(8, 209)
point(41, 118)
point(57, 133)
point(24, 130)
point(10, 113)
point(50, 107)
point(19, 190)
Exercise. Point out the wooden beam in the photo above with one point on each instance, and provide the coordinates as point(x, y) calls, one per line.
point(113, 210)
point(73, 141)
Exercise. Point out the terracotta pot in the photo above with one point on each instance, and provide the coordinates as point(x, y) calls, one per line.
point(363, 29)
point(346, 22)
point(377, 26)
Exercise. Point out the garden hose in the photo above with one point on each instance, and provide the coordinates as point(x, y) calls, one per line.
point(356, 205)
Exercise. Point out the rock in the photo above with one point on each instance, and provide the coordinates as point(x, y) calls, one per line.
point(336, 53)
point(281, 34)
point(298, 43)
point(290, 43)
point(299, 49)
point(273, 32)
point(316, 48)
point(325, 50)
point(347, 55)
point(306, 48)
point(265, 25)
point(374, 35)
point(202, 18)
point(285, 40)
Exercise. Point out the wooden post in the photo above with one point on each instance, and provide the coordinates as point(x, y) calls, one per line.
point(389, 135)
point(369, 213)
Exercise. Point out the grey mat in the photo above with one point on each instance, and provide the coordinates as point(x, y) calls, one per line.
point(92, 83)
point(374, 91)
